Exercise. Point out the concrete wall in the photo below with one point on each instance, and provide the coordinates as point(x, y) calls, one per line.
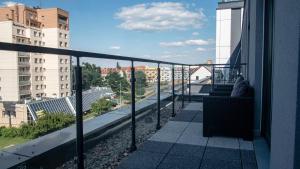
point(285, 85)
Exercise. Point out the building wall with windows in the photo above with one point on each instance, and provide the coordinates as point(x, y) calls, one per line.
point(34, 75)
point(13, 115)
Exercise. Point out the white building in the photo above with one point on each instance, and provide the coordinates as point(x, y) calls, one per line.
point(34, 75)
point(228, 29)
point(199, 74)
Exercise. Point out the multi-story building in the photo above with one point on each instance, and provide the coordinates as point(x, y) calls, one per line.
point(34, 75)
point(228, 30)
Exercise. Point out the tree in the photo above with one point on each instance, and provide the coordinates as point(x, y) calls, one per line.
point(102, 105)
point(116, 81)
point(91, 76)
point(141, 83)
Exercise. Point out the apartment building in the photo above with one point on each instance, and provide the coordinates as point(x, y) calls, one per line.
point(35, 75)
point(229, 18)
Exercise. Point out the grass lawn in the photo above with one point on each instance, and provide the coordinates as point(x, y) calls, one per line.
point(5, 142)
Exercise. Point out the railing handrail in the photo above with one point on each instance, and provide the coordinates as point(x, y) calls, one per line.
point(76, 53)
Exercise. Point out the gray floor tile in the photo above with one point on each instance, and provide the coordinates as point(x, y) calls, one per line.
point(141, 160)
point(249, 165)
point(214, 153)
point(193, 135)
point(187, 150)
point(194, 106)
point(248, 156)
point(156, 147)
point(223, 142)
point(220, 164)
point(198, 118)
point(246, 145)
point(185, 115)
point(179, 162)
point(166, 137)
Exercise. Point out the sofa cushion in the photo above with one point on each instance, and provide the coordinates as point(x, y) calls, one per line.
point(241, 90)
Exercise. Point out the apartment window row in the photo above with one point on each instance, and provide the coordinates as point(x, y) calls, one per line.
point(62, 78)
point(24, 78)
point(23, 60)
point(38, 34)
point(40, 87)
point(64, 27)
point(64, 94)
point(41, 95)
point(22, 40)
point(63, 86)
point(39, 69)
point(62, 69)
point(24, 87)
point(63, 44)
point(39, 60)
point(61, 35)
point(65, 61)
point(39, 43)
point(40, 78)
point(20, 32)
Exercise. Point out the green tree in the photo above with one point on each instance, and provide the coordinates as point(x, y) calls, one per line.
point(91, 76)
point(116, 81)
point(141, 83)
point(102, 105)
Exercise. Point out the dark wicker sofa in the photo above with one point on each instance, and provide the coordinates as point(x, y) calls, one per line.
point(229, 115)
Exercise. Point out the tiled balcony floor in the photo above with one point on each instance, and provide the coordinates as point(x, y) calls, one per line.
point(180, 145)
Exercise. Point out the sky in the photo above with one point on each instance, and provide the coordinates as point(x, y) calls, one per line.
point(178, 31)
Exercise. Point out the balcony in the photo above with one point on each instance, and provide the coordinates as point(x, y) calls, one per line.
point(164, 128)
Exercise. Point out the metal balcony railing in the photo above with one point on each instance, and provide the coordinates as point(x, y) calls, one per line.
point(184, 71)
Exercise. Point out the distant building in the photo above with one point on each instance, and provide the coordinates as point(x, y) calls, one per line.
point(34, 75)
point(200, 73)
point(228, 30)
point(13, 114)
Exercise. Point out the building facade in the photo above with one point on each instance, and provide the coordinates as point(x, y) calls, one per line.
point(229, 17)
point(37, 75)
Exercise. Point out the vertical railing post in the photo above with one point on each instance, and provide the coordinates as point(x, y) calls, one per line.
point(190, 85)
point(79, 123)
point(213, 78)
point(182, 87)
point(173, 91)
point(158, 98)
point(133, 145)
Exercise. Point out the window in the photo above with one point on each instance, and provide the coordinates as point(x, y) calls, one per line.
point(41, 60)
point(61, 69)
point(66, 69)
point(67, 93)
point(61, 86)
point(40, 43)
point(41, 69)
point(66, 36)
point(66, 44)
point(43, 35)
point(18, 31)
point(61, 78)
point(66, 77)
point(40, 34)
point(60, 35)
point(42, 86)
point(37, 87)
point(62, 95)
point(35, 42)
point(45, 88)
point(66, 61)
point(67, 86)
point(41, 78)
point(61, 61)
point(34, 33)
point(36, 78)
point(60, 44)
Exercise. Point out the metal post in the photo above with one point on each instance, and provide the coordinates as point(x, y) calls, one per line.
point(182, 75)
point(158, 98)
point(79, 124)
point(190, 85)
point(133, 146)
point(213, 78)
point(173, 92)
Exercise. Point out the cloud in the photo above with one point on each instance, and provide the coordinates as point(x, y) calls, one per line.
point(192, 42)
point(201, 49)
point(160, 16)
point(115, 47)
point(205, 49)
point(10, 3)
point(195, 33)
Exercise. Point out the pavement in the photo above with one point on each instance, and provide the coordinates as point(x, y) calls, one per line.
point(181, 145)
